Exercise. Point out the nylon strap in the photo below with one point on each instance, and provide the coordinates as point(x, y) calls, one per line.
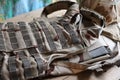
point(32, 51)
point(60, 34)
point(20, 53)
point(55, 7)
point(68, 28)
point(25, 34)
point(26, 64)
point(27, 67)
point(13, 68)
point(8, 46)
point(40, 63)
point(12, 35)
point(48, 36)
point(2, 46)
point(37, 36)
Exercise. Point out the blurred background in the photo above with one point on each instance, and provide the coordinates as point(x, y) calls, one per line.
point(11, 8)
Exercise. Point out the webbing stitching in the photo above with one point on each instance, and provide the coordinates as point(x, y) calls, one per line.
point(60, 34)
point(48, 36)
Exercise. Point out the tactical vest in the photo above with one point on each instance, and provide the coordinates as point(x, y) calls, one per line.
point(38, 48)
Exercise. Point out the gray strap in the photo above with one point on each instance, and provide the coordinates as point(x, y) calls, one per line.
point(59, 34)
point(12, 35)
point(27, 67)
point(8, 46)
point(2, 46)
point(56, 6)
point(12, 68)
point(48, 36)
point(32, 51)
point(41, 65)
point(68, 27)
point(26, 64)
point(25, 34)
point(20, 53)
point(36, 34)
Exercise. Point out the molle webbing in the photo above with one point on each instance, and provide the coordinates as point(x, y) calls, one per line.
point(2, 45)
point(9, 38)
point(11, 32)
point(37, 35)
point(27, 65)
point(73, 34)
point(40, 64)
point(60, 34)
point(12, 66)
point(25, 34)
point(12, 35)
point(47, 34)
point(30, 55)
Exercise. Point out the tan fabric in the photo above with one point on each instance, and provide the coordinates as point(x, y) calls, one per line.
point(112, 31)
point(4, 70)
point(70, 66)
point(105, 7)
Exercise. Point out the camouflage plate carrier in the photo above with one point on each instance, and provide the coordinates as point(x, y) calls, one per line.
point(30, 50)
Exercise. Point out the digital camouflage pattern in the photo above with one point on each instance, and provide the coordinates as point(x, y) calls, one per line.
point(55, 46)
point(108, 8)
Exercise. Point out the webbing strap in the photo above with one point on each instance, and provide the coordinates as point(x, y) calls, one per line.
point(48, 36)
point(13, 68)
point(12, 35)
point(68, 28)
point(25, 34)
point(2, 46)
point(32, 51)
point(40, 63)
point(26, 64)
point(37, 36)
point(59, 34)
point(56, 6)
point(6, 38)
point(27, 67)
point(20, 53)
